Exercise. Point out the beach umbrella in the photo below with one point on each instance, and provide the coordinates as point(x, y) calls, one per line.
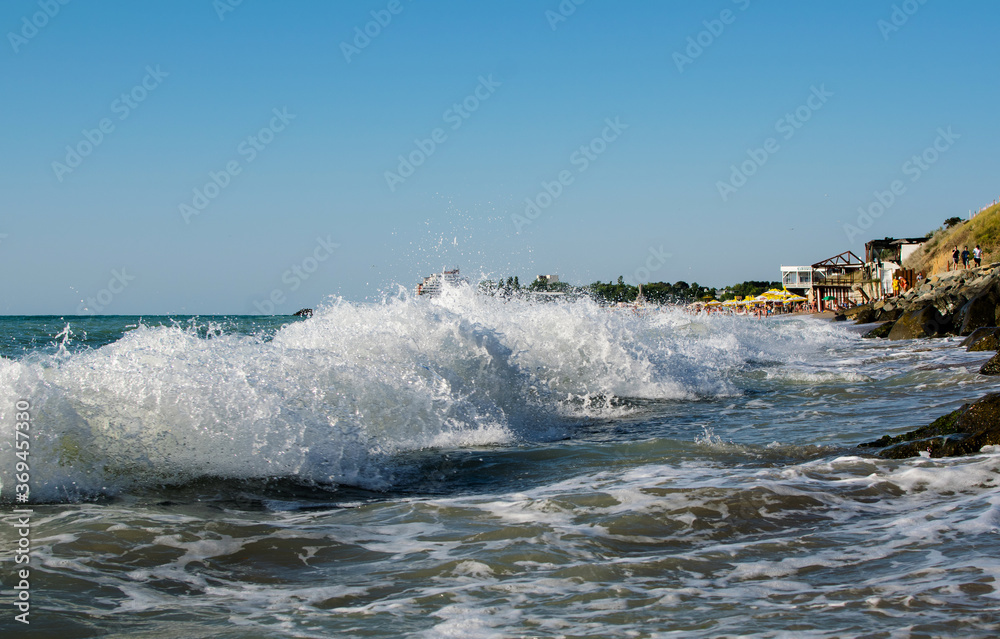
point(795, 299)
point(829, 298)
point(774, 295)
point(713, 303)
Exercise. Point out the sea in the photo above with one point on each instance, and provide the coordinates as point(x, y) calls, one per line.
point(477, 467)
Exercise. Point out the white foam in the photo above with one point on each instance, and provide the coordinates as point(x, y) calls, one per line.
point(332, 399)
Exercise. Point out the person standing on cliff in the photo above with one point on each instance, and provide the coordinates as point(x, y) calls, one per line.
point(965, 257)
point(955, 257)
point(977, 255)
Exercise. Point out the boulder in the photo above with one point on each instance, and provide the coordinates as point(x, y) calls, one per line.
point(303, 312)
point(888, 316)
point(961, 432)
point(857, 310)
point(992, 366)
point(925, 322)
point(979, 311)
point(866, 315)
point(983, 339)
point(881, 331)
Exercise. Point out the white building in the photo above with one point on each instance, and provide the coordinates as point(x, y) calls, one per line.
point(432, 283)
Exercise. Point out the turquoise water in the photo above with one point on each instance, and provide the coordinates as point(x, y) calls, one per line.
point(23, 335)
point(470, 467)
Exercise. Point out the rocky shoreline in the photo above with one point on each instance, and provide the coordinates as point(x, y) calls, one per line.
point(961, 432)
point(958, 303)
point(952, 303)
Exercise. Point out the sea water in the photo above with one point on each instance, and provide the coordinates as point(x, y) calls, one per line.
point(467, 466)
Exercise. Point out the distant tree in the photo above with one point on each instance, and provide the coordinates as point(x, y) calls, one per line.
point(752, 288)
point(488, 287)
point(658, 292)
point(952, 221)
point(612, 293)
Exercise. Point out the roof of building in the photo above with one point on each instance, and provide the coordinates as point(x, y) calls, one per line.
point(847, 259)
point(891, 241)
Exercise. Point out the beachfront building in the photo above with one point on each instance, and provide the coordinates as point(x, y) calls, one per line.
point(838, 280)
point(884, 261)
point(433, 283)
point(835, 281)
point(547, 279)
point(797, 279)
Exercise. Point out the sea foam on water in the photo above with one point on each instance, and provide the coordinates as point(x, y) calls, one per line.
point(330, 400)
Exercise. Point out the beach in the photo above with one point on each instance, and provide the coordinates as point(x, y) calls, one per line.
point(467, 466)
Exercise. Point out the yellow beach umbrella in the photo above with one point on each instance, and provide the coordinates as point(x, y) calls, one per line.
point(774, 295)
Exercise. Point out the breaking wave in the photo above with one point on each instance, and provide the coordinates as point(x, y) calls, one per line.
point(332, 399)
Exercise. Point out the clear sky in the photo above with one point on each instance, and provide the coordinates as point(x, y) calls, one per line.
point(191, 156)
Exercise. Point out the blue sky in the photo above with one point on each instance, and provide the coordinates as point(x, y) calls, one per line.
point(299, 120)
